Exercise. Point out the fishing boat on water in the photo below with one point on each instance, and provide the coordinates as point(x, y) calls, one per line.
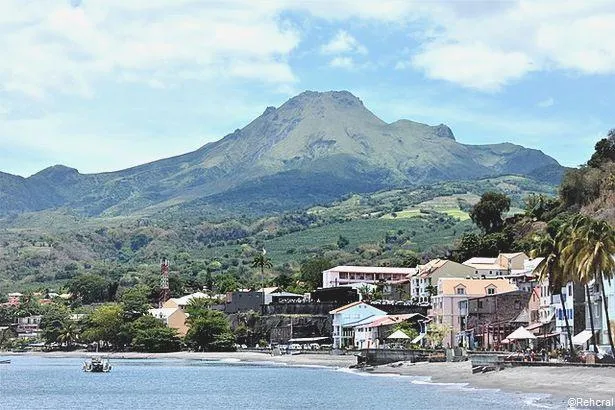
point(8, 361)
point(97, 365)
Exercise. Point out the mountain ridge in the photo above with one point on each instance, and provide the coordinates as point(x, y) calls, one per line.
point(330, 136)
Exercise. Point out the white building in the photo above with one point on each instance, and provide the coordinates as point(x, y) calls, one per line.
point(348, 316)
point(369, 332)
point(347, 275)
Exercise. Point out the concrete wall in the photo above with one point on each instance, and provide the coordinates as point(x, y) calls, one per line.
point(384, 356)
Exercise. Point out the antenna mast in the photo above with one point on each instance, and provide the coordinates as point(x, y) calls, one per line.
point(165, 292)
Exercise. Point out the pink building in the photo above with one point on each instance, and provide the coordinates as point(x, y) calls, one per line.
point(445, 305)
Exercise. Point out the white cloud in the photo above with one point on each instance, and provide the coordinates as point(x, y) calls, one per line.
point(343, 43)
point(546, 103)
point(472, 65)
point(342, 62)
point(53, 47)
point(488, 48)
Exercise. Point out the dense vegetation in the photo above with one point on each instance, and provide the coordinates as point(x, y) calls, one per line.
point(47, 250)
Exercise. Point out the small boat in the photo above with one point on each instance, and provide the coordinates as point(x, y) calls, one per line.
point(97, 365)
point(8, 361)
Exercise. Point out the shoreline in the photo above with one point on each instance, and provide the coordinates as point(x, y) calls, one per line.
point(557, 384)
point(560, 383)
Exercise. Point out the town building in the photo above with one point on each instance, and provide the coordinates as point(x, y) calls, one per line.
point(348, 275)
point(371, 333)
point(172, 317)
point(450, 291)
point(486, 320)
point(346, 317)
point(424, 280)
point(29, 327)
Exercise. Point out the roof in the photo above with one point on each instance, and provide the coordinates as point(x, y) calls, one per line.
point(162, 312)
point(474, 287)
point(184, 300)
point(486, 261)
point(491, 266)
point(522, 317)
point(348, 306)
point(399, 334)
point(581, 337)
point(269, 290)
point(511, 255)
point(307, 339)
point(371, 320)
point(521, 333)
point(372, 269)
point(385, 320)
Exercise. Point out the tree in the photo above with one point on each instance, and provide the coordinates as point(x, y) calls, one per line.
point(283, 280)
point(68, 334)
point(604, 151)
point(552, 269)
point(342, 242)
point(468, 246)
point(436, 333)
point(90, 288)
point(591, 251)
point(106, 324)
point(487, 213)
point(196, 306)
point(210, 331)
point(53, 321)
point(261, 261)
point(156, 340)
point(135, 300)
point(410, 261)
point(311, 271)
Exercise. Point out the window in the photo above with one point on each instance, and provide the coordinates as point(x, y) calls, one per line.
point(490, 291)
point(460, 291)
point(480, 304)
point(570, 290)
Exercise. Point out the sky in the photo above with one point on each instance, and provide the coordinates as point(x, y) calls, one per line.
point(108, 84)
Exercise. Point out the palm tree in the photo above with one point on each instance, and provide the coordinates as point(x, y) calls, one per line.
point(261, 261)
point(551, 269)
point(68, 334)
point(595, 247)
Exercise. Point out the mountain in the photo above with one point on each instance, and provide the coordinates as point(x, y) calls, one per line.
point(313, 148)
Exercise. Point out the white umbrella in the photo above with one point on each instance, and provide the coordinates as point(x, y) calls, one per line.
point(520, 333)
point(398, 335)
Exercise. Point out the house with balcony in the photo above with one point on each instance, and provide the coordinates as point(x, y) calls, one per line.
point(375, 275)
point(29, 327)
point(597, 307)
point(372, 332)
point(347, 317)
point(445, 306)
point(487, 320)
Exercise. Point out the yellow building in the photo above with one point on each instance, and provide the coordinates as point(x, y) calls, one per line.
point(173, 317)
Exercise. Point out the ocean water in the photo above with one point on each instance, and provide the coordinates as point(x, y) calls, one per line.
point(59, 383)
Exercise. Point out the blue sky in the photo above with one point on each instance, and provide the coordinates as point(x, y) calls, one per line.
point(104, 85)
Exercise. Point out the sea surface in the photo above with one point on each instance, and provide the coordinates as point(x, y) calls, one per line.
point(34, 382)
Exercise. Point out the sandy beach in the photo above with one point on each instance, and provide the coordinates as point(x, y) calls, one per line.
point(561, 383)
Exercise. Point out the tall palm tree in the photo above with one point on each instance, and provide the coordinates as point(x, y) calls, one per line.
point(68, 334)
point(595, 248)
point(573, 246)
point(552, 269)
point(261, 261)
